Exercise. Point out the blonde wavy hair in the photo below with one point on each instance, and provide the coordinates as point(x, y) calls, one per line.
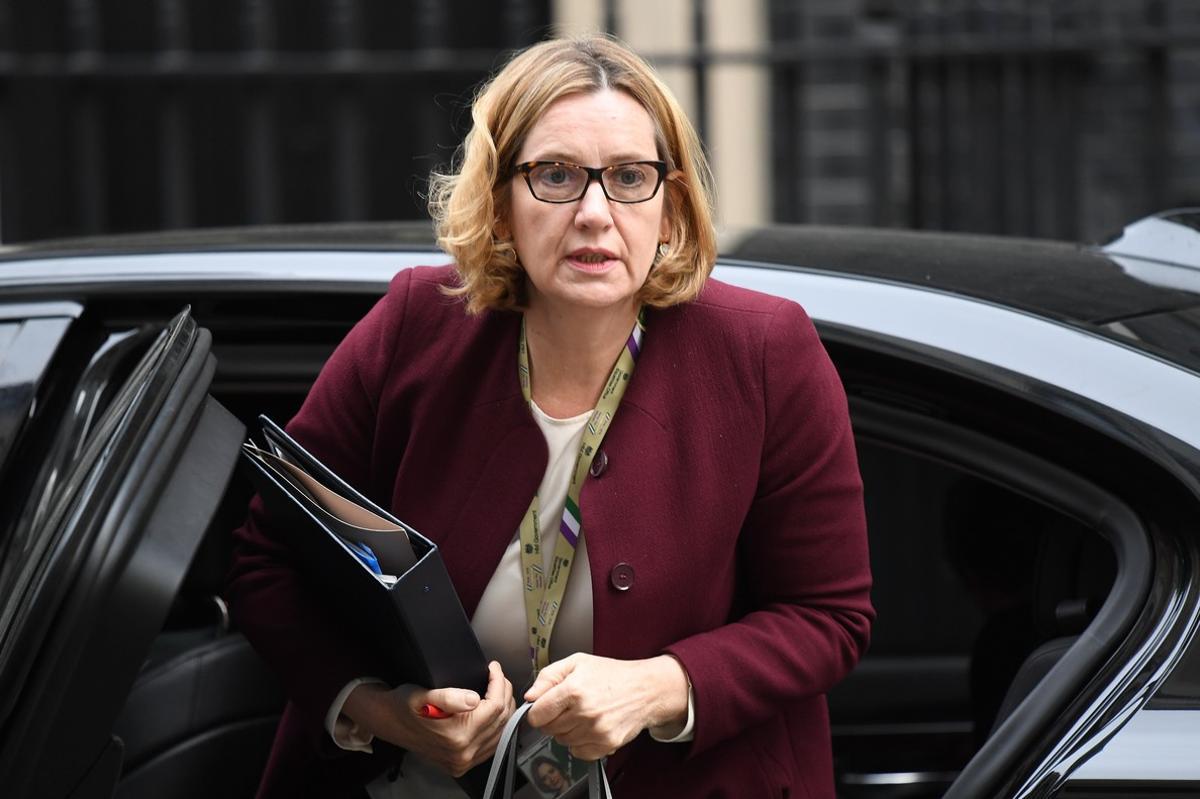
point(469, 203)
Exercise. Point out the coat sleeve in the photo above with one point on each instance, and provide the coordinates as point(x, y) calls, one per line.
point(288, 624)
point(802, 551)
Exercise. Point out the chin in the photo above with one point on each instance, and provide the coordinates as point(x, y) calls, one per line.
point(599, 302)
point(596, 296)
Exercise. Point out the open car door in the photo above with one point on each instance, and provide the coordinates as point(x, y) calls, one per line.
point(113, 458)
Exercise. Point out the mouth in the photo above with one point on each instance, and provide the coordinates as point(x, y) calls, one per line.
point(591, 255)
point(592, 260)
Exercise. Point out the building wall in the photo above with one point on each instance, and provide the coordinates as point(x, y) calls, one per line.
point(734, 107)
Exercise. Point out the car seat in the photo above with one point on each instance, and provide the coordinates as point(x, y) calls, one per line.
point(201, 716)
point(1074, 573)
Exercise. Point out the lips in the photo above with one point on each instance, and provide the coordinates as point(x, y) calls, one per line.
point(590, 259)
point(592, 255)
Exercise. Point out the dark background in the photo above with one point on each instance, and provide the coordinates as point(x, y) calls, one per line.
point(1058, 118)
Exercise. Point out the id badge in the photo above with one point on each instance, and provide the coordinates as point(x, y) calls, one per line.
point(551, 771)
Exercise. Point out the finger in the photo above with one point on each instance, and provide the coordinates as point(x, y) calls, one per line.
point(549, 677)
point(448, 700)
point(503, 706)
point(488, 741)
point(496, 682)
point(508, 699)
point(551, 704)
point(500, 708)
point(498, 688)
point(568, 731)
point(488, 734)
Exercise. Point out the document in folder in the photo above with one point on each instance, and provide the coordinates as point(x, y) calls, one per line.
point(349, 521)
point(408, 609)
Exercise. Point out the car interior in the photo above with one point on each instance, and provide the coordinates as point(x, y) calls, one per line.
point(980, 591)
point(991, 556)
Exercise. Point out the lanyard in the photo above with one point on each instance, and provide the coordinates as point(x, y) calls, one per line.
point(543, 595)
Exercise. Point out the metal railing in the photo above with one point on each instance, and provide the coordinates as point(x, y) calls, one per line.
point(168, 114)
point(1059, 118)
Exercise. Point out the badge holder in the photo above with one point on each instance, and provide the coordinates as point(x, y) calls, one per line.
point(542, 782)
point(550, 769)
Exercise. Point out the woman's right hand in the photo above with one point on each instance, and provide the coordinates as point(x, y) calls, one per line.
point(455, 744)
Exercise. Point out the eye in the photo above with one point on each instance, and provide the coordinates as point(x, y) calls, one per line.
point(629, 176)
point(554, 175)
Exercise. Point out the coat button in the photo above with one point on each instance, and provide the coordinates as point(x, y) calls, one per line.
point(599, 464)
point(621, 576)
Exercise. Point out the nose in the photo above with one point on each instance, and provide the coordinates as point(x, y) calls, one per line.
point(593, 210)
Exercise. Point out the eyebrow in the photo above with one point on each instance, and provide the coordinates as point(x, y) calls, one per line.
point(621, 158)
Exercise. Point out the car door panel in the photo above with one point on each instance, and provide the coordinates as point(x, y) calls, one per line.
point(126, 525)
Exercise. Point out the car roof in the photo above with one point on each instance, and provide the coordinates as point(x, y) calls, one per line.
point(1075, 283)
point(1142, 287)
point(326, 236)
point(1067, 281)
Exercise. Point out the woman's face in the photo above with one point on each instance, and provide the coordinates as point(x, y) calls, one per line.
point(550, 776)
point(590, 253)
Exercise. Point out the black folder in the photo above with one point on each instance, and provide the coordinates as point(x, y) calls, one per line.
point(416, 621)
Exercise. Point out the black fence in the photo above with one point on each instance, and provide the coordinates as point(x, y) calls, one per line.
point(1060, 118)
point(121, 115)
point(1053, 118)
point(1057, 118)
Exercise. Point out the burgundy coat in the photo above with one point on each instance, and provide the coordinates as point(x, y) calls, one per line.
point(730, 510)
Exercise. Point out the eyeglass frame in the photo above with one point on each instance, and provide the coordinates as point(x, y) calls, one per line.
point(594, 174)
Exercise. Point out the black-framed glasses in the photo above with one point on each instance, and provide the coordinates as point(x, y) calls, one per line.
point(563, 182)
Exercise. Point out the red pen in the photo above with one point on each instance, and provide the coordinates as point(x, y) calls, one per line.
point(432, 712)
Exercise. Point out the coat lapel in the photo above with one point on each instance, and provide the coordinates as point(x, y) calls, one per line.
point(513, 462)
point(502, 459)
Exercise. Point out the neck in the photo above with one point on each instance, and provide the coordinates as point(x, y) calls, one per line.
point(571, 354)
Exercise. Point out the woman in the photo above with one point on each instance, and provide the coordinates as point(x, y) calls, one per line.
point(549, 777)
point(587, 426)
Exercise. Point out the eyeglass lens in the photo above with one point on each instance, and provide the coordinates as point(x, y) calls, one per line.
point(622, 182)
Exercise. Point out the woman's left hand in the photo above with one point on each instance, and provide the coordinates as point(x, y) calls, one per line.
point(596, 705)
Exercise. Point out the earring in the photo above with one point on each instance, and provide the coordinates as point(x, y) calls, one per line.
point(662, 251)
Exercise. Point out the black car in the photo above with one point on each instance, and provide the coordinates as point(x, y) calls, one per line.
point(1028, 422)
